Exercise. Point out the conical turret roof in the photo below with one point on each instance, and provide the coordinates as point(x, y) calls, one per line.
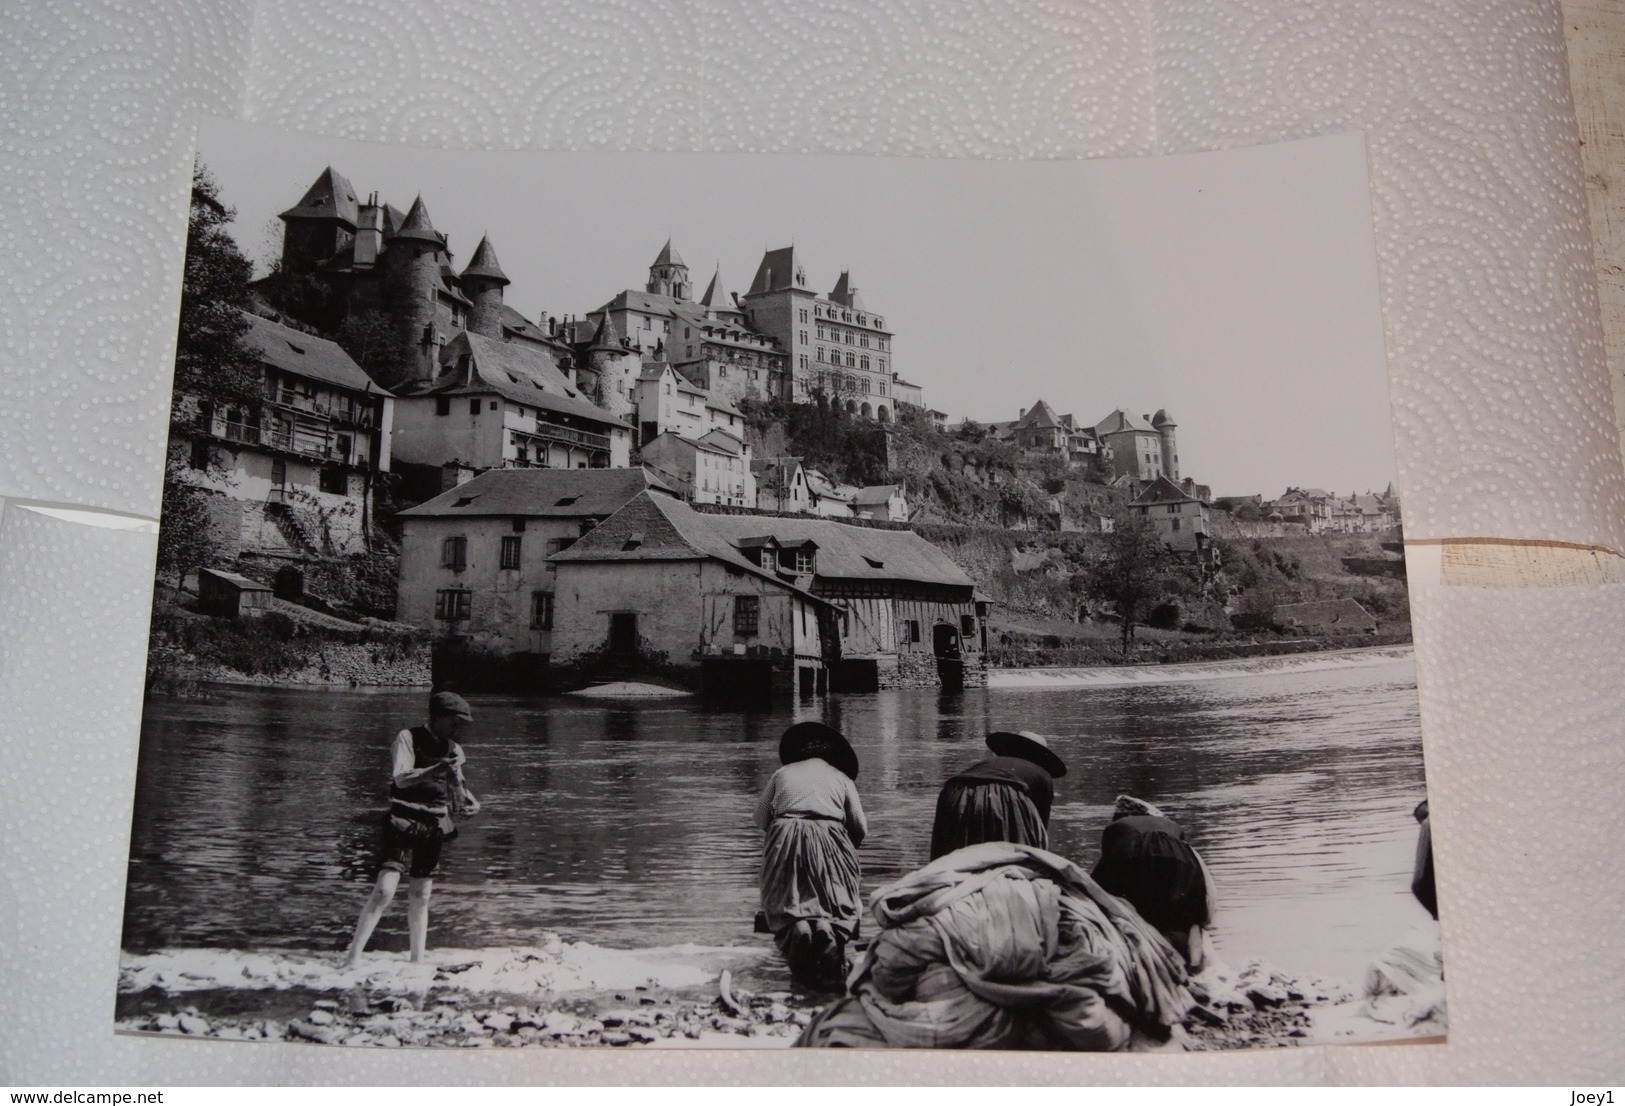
point(606, 336)
point(417, 225)
point(715, 298)
point(331, 196)
point(484, 264)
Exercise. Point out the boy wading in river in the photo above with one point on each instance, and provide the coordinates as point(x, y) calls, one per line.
point(426, 791)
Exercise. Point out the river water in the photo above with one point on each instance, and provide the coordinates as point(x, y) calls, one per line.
point(628, 824)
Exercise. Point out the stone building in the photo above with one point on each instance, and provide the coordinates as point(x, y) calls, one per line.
point(1040, 430)
point(713, 468)
point(908, 616)
point(474, 563)
point(504, 405)
point(1140, 448)
point(292, 473)
point(655, 591)
point(1179, 516)
point(709, 342)
point(835, 344)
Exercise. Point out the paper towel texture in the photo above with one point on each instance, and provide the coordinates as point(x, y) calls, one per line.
point(1503, 414)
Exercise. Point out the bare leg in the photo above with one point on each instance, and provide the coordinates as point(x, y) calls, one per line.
point(417, 915)
point(377, 903)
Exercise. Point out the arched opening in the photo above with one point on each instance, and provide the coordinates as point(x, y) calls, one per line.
point(851, 406)
point(882, 414)
point(865, 410)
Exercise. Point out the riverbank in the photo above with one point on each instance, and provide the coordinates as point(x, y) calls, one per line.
point(572, 995)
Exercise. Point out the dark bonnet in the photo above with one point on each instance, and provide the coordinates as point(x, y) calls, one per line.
point(806, 740)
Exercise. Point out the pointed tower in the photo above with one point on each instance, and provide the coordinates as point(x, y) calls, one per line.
point(482, 282)
point(412, 257)
point(845, 292)
point(668, 276)
point(1164, 425)
point(321, 224)
point(715, 301)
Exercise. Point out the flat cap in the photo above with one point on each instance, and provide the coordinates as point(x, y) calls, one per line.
point(449, 702)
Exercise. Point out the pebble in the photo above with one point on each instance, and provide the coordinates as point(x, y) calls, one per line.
point(499, 1023)
point(191, 1023)
point(167, 1023)
point(616, 1038)
point(320, 1016)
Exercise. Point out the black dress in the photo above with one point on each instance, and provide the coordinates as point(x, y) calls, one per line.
point(997, 799)
point(1145, 860)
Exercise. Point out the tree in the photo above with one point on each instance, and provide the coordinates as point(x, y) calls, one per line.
point(1137, 573)
point(371, 338)
point(213, 366)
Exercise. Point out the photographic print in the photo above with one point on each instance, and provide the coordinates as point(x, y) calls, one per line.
point(742, 601)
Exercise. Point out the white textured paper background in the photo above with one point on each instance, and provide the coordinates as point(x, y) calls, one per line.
point(1503, 408)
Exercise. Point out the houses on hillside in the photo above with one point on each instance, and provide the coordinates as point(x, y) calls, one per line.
point(290, 474)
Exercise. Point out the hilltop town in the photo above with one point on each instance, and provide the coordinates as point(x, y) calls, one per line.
point(376, 459)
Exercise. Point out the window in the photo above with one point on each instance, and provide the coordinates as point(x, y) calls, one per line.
point(910, 631)
point(559, 545)
point(1176, 526)
point(820, 353)
point(967, 625)
point(200, 453)
point(334, 480)
point(452, 603)
point(279, 473)
point(454, 553)
point(541, 610)
point(510, 551)
point(442, 405)
point(493, 405)
point(850, 360)
point(804, 560)
point(747, 614)
point(474, 406)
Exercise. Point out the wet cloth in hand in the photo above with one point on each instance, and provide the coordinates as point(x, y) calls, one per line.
point(1005, 946)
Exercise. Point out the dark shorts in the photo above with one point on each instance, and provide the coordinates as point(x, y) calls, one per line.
point(411, 848)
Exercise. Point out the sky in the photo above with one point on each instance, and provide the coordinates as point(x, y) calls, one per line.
point(1237, 290)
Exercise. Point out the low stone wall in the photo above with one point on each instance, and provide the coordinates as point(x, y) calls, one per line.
point(334, 664)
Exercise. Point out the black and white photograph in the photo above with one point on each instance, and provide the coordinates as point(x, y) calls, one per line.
point(729, 601)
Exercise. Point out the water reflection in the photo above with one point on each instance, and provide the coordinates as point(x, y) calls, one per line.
point(256, 814)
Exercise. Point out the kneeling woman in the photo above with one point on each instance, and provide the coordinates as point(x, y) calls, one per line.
point(814, 823)
point(1145, 859)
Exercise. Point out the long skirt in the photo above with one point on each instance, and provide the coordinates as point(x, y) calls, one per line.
point(970, 812)
point(810, 895)
point(1162, 878)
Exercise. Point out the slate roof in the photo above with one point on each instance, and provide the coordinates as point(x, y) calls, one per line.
point(316, 358)
point(846, 292)
point(659, 528)
point(1163, 490)
point(851, 552)
point(715, 298)
point(1039, 414)
point(516, 323)
point(778, 270)
point(876, 496)
point(484, 263)
point(668, 256)
point(329, 196)
point(417, 225)
point(539, 493)
point(516, 372)
point(1119, 421)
